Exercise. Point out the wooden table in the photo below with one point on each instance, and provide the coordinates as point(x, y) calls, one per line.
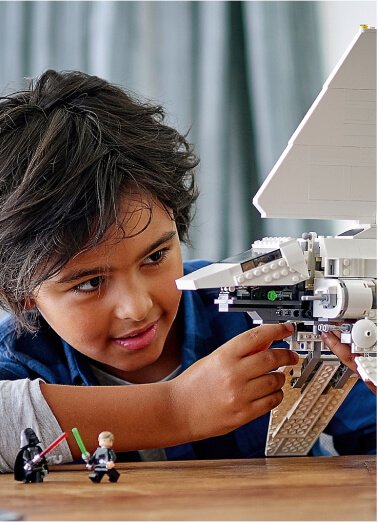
point(325, 488)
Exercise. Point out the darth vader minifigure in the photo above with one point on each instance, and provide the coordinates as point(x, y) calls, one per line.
point(25, 467)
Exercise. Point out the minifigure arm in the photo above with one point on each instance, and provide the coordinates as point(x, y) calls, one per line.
point(91, 459)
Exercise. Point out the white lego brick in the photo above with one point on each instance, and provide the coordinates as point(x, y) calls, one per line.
point(346, 267)
point(274, 273)
point(320, 192)
point(223, 301)
point(216, 275)
point(339, 180)
point(350, 118)
point(337, 247)
point(267, 244)
point(367, 368)
point(308, 341)
point(288, 270)
point(293, 255)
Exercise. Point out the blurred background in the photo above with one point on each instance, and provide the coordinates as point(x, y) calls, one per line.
point(238, 75)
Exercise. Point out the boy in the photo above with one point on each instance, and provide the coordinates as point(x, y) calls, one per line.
point(96, 194)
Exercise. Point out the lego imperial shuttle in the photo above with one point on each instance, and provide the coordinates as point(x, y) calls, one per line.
point(327, 171)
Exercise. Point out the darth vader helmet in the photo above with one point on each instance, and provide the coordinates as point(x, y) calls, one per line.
point(28, 438)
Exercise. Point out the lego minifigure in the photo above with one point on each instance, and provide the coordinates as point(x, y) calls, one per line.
point(103, 459)
point(25, 469)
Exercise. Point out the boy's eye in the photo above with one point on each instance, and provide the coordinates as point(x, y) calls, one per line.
point(157, 257)
point(89, 286)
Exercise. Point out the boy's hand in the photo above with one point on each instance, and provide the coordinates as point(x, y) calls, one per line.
point(236, 383)
point(343, 352)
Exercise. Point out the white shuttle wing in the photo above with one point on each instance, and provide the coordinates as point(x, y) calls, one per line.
point(328, 170)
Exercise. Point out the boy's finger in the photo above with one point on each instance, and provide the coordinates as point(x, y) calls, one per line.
point(343, 351)
point(265, 404)
point(264, 385)
point(257, 339)
point(267, 361)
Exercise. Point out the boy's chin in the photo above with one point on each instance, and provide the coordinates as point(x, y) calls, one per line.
point(128, 371)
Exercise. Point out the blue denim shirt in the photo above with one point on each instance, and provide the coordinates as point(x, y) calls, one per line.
point(47, 356)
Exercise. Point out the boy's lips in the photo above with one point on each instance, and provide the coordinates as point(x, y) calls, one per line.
point(138, 339)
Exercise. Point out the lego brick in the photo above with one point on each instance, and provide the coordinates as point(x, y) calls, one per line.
point(310, 416)
point(367, 368)
point(337, 247)
point(211, 276)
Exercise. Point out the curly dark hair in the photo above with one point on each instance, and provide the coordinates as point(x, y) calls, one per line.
point(70, 146)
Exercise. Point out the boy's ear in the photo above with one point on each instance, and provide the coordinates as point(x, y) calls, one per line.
point(28, 303)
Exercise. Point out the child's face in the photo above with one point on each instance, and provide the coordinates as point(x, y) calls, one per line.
point(117, 302)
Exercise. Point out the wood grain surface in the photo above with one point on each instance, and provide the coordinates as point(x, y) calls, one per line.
point(298, 488)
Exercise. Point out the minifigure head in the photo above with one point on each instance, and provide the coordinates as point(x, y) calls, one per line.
point(28, 438)
point(74, 151)
point(105, 439)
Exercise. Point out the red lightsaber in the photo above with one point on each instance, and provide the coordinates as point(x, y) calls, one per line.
point(37, 459)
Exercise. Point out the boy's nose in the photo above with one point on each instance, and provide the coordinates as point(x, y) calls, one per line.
point(134, 305)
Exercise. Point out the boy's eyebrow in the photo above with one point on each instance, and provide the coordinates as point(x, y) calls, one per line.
point(74, 275)
point(167, 236)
